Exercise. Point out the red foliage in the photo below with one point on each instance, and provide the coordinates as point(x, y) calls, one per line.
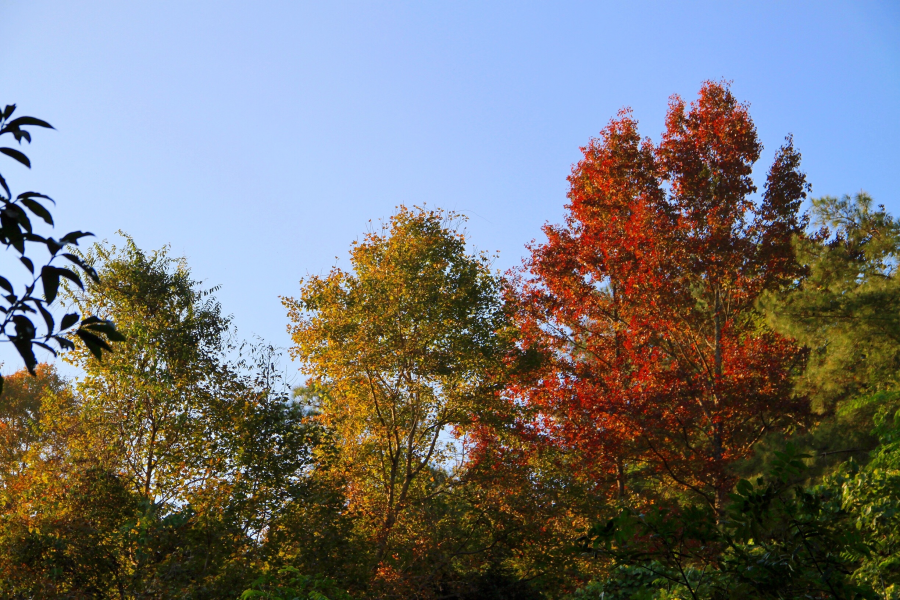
point(642, 301)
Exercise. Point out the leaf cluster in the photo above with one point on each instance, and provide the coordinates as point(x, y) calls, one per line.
point(20, 309)
point(845, 308)
point(777, 540)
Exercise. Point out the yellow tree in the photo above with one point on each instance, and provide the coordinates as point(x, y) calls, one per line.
point(20, 414)
point(401, 349)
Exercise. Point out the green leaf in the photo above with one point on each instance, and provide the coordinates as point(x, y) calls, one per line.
point(94, 343)
point(49, 349)
point(52, 246)
point(16, 155)
point(116, 336)
point(19, 214)
point(107, 328)
point(10, 231)
point(20, 121)
point(33, 237)
point(73, 237)
point(64, 343)
point(50, 281)
point(27, 353)
point(20, 134)
point(71, 276)
point(24, 327)
point(5, 187)
point(36, 208)
point(48, 318)
point(76, 260)
point(68, 320)
point(6, 285)
point(24, 195)
point(27, 262)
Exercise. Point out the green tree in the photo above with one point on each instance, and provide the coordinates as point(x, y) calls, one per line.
point(155, 401)
point(208, 450)
point(67, 537)
point(837, 540)
point(845, 312)
point(846, 308)
point(288, 582)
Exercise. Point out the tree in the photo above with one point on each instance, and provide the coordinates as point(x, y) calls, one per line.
point(161, 471)
point(400, 351)
point(16, 230)
point(656, 364)
point(820, 524)
point(181, 409)
point(20, 413)
point(155, 400)
point(845, 308)
point(835, 540)
point(61, 513)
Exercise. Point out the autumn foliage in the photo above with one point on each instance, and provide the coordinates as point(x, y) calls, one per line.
point(642, 302)
point(685, 392)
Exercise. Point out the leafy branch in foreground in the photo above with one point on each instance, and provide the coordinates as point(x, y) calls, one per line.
point(16, 230)
point(776, 540)
point(289, 582)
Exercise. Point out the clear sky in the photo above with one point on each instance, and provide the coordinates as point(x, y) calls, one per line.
point(258, 138)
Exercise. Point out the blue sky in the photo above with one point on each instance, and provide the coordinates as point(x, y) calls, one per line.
point(259, 138)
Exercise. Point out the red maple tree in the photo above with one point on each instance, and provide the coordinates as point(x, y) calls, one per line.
point(642, 302)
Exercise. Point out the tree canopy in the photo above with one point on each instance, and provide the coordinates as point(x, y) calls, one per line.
point(402, 352)
point(656, 362)
point(688, 391)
